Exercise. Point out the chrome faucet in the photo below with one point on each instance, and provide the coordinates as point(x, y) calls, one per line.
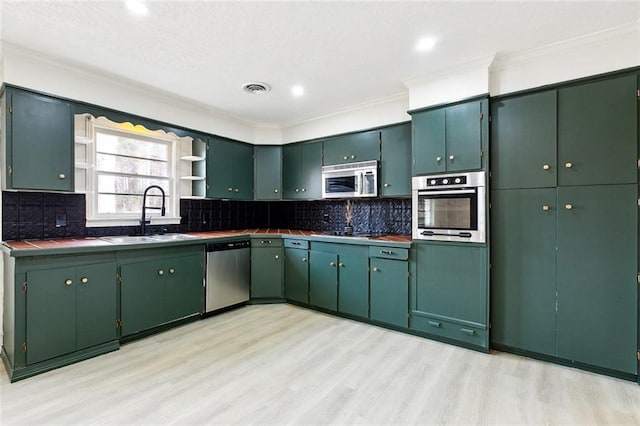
point(144, 222)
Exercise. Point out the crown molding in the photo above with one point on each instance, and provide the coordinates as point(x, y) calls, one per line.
point(482, 63)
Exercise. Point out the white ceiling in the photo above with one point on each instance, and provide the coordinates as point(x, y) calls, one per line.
point(343, 53)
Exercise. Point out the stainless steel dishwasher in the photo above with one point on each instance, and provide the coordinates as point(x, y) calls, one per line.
point(228, 275)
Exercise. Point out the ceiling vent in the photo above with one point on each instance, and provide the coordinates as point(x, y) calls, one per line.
point(256, 88)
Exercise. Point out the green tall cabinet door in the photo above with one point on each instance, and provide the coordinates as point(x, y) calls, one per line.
point(311, 170)
point(395, 162)
point(355, 147)
point(268, 172)
point(229, 169)
point(597, 132)
point(523, 269)
point(597, 274)
point(243, 171)
point(40, 143)
point(266, 272)
point(97, 304)
point(291, 180)
point(323, 280)
point(296, 274)
point(523, 141)
point(463, 134)
point(51, 313)
point(429, 142)
point(353, 279)
point(142, 295)
point(389, 291)
point(184, 286)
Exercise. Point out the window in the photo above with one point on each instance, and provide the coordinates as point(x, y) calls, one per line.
point(115, 163)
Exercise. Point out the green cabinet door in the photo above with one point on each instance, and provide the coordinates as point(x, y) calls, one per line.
point(266, 272)
point(389, 291)
point(184, 286)
point(463, 135)
point(296, 274)
point(355, 147)
point(142, 295)
point(323, 280)
point(220, 155)
point(395, 163)
point(291, 179)
point(524, 141)
point(597, 273)
point(523, 269)
point(40, 145)
point(243, 171)
point(452, 282)
point(598, 132)
point(353, 279)
point(428, 141)
point(311, 170)
point(97, 304)
point(268, 172)
point(51, 313)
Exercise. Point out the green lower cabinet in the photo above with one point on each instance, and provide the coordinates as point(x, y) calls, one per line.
point(323, 280)
point(159, 287)
point(296, 274)
point(523, 269)
point(353, 279)
point(389, 291)
point(69, 309)
point(451, 288)
point(266, 272)
point(597, 316)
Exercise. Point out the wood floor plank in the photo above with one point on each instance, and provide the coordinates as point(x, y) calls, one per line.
point(282, 364)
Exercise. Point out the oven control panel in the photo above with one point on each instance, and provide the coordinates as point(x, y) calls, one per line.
point(448, 180)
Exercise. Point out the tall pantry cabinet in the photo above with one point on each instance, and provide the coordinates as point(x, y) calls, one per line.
point(564, 212)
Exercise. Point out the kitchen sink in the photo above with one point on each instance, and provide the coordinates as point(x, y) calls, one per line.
point(136, 239)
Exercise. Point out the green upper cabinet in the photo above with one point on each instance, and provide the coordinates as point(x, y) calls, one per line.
point(523, 141)
point(302, 170)
point(39, 142)
point(268, 172)
point(450, 139)
point(597, 132)
point(395, 163)
point(229, 169)
point(355, 147)
point(597, 315)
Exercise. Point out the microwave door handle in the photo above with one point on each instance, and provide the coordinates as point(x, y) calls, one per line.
point(452, 192)
point(361, 189)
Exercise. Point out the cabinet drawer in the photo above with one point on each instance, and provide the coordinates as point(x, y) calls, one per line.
point(301, 244)
point(266, 242)
point(389, 253)
point(463, 333)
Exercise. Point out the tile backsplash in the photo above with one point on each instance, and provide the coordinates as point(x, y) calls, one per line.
point(40, 215)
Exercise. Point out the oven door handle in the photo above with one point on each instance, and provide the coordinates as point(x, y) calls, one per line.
point(361, 188)
point(450, 192)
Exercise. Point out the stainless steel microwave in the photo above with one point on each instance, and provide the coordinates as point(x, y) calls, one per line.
point(350, 180)
point(449, 207)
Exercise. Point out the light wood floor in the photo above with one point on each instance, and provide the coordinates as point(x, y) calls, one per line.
point(281, 364)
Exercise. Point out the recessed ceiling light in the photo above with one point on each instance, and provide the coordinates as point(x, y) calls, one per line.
point(297, 90)
point(425, 44)
point(137, 7)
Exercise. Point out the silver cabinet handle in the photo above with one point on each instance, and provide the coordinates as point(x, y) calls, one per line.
point(296, 243)
point(546, 167)
point(451, 157)
point(275, 190)
point(62, 176)
point(236, 190)
point(304, 189)
point(353, 157)
point(332, 263)
point(341, 265)
point(438, 159)
point(376, 269)
point(345, 157)
point(172, 271)
point(568, 206)
point(277, 257)
point(546, 208)
point(68, 282)
point(386, 185)
point(84, 280)
point(568, 165)
point(160, 272)
point(386, 252)
point(265, 241)
point(297, 190)
point(230, 189)
point(304, 259)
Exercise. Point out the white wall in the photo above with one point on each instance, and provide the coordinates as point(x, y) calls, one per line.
point(24, 68)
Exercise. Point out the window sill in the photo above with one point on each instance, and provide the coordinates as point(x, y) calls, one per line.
point(98, 223)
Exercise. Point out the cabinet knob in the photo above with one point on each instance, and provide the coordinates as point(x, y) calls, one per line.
point(568, 165)
point(265, 241)
point(386, 185)
point(277, 257)
point(340, 265)
point(451, 157)
point(568, 206)
point(304, 189)
point(84, 280)
point(160, 272)
point(438, 159)
point(172, 271)
point(62, 176)
point(304, 259)
point(275, 190)
point(236, 190)
point(376, 269)
point(297, 190)
point(230, 189)
point(345, 157)
point(332, 263)
point(68, 282)
point(353, 157)
point(546, 167)
point(546, 208)
point(389, 252)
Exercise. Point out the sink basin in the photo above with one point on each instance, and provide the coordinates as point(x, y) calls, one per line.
point(136, 239)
